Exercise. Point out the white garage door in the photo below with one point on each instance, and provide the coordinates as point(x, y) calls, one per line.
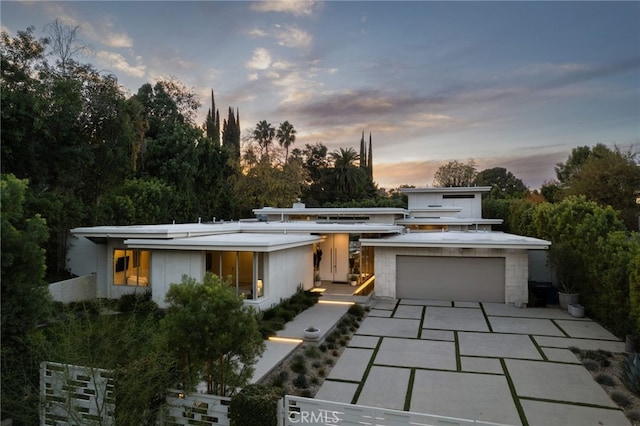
point(473, 279)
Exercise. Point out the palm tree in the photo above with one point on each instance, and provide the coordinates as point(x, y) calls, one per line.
point(348, 177)
point(286, 137)
point(264, 134)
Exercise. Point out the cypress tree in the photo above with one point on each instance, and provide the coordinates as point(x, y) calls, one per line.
point(363, 153)
point(370, 160)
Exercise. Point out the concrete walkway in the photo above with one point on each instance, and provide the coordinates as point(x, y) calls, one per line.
point(323, 316)
point(488, 362)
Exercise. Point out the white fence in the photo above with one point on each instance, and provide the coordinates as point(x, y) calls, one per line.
point(298, 410)
point(74, 395)
point(196, 408)
point(74, 290)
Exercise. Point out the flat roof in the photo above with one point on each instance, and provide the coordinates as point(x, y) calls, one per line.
point(451, 189)
point(229, 242)
point(339, 211)
point(468, 239)
point(190, 230)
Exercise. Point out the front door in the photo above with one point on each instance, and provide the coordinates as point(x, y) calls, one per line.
point(334, 265)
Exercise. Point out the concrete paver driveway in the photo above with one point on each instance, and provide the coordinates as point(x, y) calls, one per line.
point(489, 362)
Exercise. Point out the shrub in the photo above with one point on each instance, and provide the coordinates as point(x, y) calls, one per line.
point(323, 347)
point(299, 364)
point(591, 364)
point(280, 379)
point(633, 415)
point(605, 379)
point(284, 313)
point(322, 372)
point(301, 381)
point(621, 398)
point(137, 302)
point(356, 310)
point(315, 380)
point(312, 352)
point(255, 405)
point(630, 373)
point(328, 361)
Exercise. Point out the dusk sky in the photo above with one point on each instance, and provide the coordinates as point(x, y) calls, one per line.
point(507, 84)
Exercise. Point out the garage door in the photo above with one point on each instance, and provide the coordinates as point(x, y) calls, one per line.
point(473, 279)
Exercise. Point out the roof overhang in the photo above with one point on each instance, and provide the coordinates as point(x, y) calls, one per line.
point(228, 242)
point(469, 239)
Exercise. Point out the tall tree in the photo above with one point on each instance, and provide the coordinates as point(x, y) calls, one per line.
point(231, 134)
point(286, 136)
point(263, 134)
point(455, 174)
point(349, 179)
point(66, 45)
point(503, 183)
point(25, 295)
point(610, 178)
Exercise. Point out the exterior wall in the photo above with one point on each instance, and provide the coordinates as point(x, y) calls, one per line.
point(471, 207)
point(168, 266)
point(74, 290)
point(84, 257)
point(285, 270)
point(516, 268)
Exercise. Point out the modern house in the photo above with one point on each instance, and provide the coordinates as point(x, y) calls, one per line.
point(440, 247)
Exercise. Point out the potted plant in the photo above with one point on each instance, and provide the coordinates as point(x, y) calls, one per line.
point(317, 282)
point(311, 333)
point(353, 279)
point(570, 273)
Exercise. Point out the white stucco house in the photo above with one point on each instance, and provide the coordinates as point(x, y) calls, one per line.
point(440, 247)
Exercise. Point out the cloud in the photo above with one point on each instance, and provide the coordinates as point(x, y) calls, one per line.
point(294, 7)
point(118, 62)
point(118, 40)
point(261, 59)
point(293, 37)
point(257, 33)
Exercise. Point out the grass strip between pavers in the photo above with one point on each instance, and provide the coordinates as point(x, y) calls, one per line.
point(407, 399)
point(486, 317)
point(456, 342)
point(553, 321)
point(356, 395)
point(577, 404)
point(542, 354)
point(514, 395)
point(421, 325)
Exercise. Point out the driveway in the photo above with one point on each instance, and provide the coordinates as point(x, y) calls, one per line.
point(489, 362)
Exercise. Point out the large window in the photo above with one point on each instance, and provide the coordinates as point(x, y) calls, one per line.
point(131, 267)
point(242, 269)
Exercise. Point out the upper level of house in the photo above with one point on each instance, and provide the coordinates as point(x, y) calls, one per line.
point(429, 209)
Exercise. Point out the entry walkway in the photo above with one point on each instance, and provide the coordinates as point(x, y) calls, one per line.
point(324, 315)
point(487, 362)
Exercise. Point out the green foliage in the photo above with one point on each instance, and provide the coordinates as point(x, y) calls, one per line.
point(605, 176)
point(25, 297)
point(356, 310)
point(605, 379)
point(503, 184)
point(630, 373)
point(255, 405)
point(216, 335)
point(137, 302)
point(634, 294)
